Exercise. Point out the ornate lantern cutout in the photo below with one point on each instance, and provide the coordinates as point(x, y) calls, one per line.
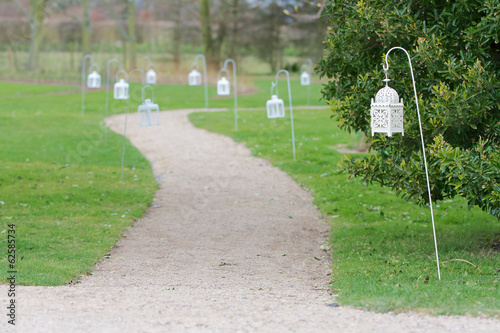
point(121, 90)
point(194, 78)
point(94, 80)
point(223, 87)
point(148, 111)
point(151, 76)
point(305, 79)
point(275, 107)
point(387, 111)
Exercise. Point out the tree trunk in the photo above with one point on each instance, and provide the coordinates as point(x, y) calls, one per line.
point(86, 27)
point(275, 43)
point(131, 33)
point(217, 43)
point(37, 15)
point(177, 35)
point(234, 41)
point(206, 30)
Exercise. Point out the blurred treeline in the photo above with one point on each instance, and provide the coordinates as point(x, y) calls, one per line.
point(46, 39)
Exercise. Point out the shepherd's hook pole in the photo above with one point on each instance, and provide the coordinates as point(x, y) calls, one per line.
point(386, 67)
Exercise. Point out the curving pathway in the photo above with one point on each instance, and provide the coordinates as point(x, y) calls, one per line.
point(230, 244)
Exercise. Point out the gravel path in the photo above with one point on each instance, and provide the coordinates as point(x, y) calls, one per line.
point(230, 244)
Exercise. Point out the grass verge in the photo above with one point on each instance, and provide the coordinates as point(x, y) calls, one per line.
point(382, 247)
point(60, 182)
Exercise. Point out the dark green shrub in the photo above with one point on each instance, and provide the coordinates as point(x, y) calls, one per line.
point(455, 52)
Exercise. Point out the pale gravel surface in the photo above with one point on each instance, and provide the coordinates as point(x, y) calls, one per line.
point(231, 244)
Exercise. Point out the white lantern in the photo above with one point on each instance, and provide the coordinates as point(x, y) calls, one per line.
point(275, 107)
point(194, 78)
point(151, 77)
point(121, 90)
point(305, 79)
point(149, 113)
point(94, 80)
point(387, 112)
point(223, 87)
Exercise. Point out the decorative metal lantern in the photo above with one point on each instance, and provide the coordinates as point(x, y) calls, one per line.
point(275, 107)
point(94, 80)
point(121, 90)
point(151, 76)
point(194, 78)
point(387, 112)
point(305, 79)
point(223, 86)
point(149, 113)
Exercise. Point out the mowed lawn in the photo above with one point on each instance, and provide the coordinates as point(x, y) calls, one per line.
point(60, 182)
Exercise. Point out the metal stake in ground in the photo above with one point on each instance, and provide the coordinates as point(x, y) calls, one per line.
point(224, 68)
point(84, 72)
point(275, 106)
point(194, 76)
point(126, 111)
point(305, 77)
point(107, 93)
point(388, 108)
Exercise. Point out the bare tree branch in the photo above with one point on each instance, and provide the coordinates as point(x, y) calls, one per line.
point(20, 5)
point(311, 17)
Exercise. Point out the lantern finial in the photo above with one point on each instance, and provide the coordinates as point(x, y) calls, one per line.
point(386, 80)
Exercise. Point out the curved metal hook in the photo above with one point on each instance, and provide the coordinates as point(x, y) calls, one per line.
point(124, 72)
point(386, 68)
point(290, 101)
point(198, 56)
point(150, 64)
point(309, 64)
point(138, 70)
point(272, 87)
point(222, 70)
point(152, 93)
point(94, 65)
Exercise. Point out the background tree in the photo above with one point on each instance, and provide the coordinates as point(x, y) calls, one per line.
point(86, 27)
point(454, 47)
point(36, 16)
point(219, 14)
point(131, 36)
point(267, 40)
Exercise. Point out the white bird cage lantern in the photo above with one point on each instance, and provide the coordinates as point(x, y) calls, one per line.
point(387, 112)
point(194, 78)
point(121, 90)
point(275, 107)
point(149, 113)
point(223, 87)
point(151, 76)
point(305, 79)
point(94, 80)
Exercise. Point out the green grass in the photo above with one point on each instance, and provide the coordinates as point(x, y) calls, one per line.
point(60, 182)
point(382, 247)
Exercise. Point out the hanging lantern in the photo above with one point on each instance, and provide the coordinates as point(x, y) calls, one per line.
point(151, 77)
point(305, 79)
point(94, 80)
point(275, 107)
point(149, 113)
point(121, 90)
point(387, 112)
point(194, 78)
point(223, 87)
